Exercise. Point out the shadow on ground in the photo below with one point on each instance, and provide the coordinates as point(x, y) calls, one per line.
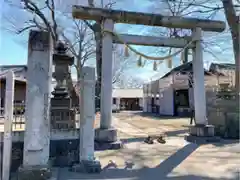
point(176, 132)
point(161, 171)
point(156, 116)
point(167, 134)
point(223, 142)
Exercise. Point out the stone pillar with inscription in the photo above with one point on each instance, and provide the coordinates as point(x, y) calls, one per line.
point(87, 118)
point(62, 113)
point(37, 127)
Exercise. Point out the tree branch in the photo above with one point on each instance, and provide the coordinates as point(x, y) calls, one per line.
point(25, 28)
point(34, 9)
point(53, 18)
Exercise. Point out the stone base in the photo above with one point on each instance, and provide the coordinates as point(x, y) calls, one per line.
point(100, 146)
point(105, 135)
point(201, 134)
point(106, 139)
point(64, 161)
point(202, 140)
point(34, 173)
point(87, 167)
point(202, 130)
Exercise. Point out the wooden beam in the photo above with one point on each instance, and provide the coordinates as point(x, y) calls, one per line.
point(152, 41)
point(130, 17)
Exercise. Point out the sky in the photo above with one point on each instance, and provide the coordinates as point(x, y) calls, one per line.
point(13, 48)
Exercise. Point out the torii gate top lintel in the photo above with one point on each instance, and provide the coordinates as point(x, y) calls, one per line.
point(130, 17)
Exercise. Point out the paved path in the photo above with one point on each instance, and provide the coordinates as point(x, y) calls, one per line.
point(174, 160)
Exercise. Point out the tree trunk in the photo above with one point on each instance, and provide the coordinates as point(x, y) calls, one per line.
point(233, 23)
point(98, 39)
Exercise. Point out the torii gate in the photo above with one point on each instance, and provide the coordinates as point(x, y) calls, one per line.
point(110, 17)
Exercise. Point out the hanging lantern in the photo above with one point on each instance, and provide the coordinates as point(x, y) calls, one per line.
point(126, 52)
point(139, 63)
point(155, 66)
point(170, 63)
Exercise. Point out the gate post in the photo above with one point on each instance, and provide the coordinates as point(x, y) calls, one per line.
point(8, 118)
point(87, 119)
point(201, 131)
point(107, 75)
point(106, 135)
point(199, 81)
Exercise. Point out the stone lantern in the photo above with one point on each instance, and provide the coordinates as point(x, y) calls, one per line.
point(62, 113)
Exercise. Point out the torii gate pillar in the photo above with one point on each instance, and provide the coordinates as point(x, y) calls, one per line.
point(106, 132)
point(201, 128)
point(198, 79)
point(106, 135)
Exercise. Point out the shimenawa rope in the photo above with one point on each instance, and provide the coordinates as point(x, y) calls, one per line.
point(146, 56)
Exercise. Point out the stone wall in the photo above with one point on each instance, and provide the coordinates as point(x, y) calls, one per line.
point(223, 113)
point(64, 148)
point(226, 122)
point(62, 153)
point(17, 155)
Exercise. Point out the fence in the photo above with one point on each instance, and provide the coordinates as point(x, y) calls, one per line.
point(18, 122)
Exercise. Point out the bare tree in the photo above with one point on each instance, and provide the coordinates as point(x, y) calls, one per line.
point(83, 38)
point(129, 82)
point(209, 9)
point(205, 9)
point(233, 22)
point(44, 15)
point(97, 30)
